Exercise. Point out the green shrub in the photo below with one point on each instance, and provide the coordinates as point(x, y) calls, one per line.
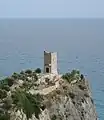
point(67, 77)
point(15, 75)
point(23, 77)
point(38, 70)
point(92, 101)
point(82, 87)
point(28, 103)
point(75, 74)
point(86, 95)
point(3, 94)
point(4, 116)
point(7, 104)
point(54, 117)
point(8, 81)
point(82, 76)
point(72, 95)
point(65, 87)
point(47, 80)
point(28, 71)
point(22, 73)
point(35, 77)
point(5, 87)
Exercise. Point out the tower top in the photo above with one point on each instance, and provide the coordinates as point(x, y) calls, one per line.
point(49, 52)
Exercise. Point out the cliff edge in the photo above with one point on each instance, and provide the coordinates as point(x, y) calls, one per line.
point(35, 96)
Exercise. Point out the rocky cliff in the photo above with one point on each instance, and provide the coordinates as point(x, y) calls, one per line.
point(32, 96)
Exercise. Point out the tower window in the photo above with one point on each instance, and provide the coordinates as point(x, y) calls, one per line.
point(47, 70)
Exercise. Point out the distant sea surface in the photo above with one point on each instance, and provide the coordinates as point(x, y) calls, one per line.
point(79, 43)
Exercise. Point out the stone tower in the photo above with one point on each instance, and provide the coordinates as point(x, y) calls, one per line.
point(50, 62)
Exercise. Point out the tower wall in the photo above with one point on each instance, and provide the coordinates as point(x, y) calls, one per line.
point(50, 62)
point(54, 62)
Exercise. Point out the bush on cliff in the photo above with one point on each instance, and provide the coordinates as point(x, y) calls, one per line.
point(38, 70)
point(28, 71)
point(8, 81)
point(4, 87)
point(15, 75)
point(82, 87)
point(30, 104)
point(54, 117)
point(4, 116)
point(74, 75)
point(3, 94)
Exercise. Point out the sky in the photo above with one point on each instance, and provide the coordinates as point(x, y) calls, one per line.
point(52, 8)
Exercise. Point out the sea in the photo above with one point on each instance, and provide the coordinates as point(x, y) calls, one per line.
point(78, 42)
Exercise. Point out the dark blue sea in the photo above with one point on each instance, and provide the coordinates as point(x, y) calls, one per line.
point(79, 43)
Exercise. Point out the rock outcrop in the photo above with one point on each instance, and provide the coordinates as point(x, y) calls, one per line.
point(32, 96)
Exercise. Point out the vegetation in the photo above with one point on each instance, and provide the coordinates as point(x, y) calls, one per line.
point(22, 72)
point(47, 80)
point(15, 75)
point(82, 87)
point(72, 95)
point(7, 103)
point(86, 95)
point(38, 70)
point(4, 117)
point(92, 101)
point(4, 87)
point(28, 103)
point(35, 76)
point(82, 76)
point(7, 81)
point(74, 75)
point(3, 94)
point(28, 71)
point(54, 117)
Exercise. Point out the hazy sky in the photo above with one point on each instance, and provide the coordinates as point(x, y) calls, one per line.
point(52, 8)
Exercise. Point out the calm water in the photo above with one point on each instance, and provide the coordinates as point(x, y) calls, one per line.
point(79, 43)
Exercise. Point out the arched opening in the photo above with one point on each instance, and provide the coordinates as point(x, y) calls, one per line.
point(47, 70)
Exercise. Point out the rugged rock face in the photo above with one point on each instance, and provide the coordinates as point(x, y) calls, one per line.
point(31, 96)
point(72, 103)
